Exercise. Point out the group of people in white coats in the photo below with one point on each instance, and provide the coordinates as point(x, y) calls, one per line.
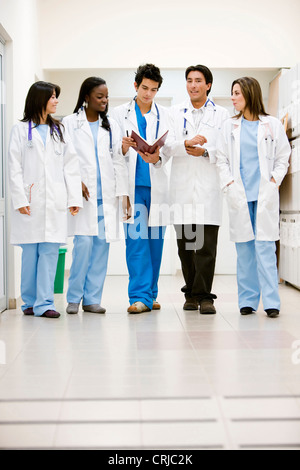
point(82, 176)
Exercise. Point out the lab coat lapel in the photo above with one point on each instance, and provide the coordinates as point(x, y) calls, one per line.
point(132, 117)
point(236, 136)
point(151, 119)
point(83, 123)
point(188, 115)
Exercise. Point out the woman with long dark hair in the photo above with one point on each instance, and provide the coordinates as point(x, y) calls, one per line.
point(104, 176)
point(253, 159)
point(44, 182)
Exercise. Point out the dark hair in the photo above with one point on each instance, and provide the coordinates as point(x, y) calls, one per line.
point(149, 71)
point(204, 70)
point(36, 103)
point(86, 88)
point(252, 94)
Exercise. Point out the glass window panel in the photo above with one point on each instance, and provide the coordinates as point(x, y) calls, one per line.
point(2, 284)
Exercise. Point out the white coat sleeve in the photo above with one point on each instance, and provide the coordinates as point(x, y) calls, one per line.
point(223, 156)
point(117, 115)
point(211, 145)
point(173, 146)
point(15, 170)
point(72, 173)
point(283, 152)
point(120, 167)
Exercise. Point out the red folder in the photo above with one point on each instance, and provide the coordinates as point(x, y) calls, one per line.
point(144, 147)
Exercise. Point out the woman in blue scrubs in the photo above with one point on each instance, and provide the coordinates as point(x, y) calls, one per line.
point(253, 155)
point(44, 182)
point(97, 141)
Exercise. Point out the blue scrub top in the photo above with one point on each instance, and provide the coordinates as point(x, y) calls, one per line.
point(43, 131)
point(249, 163)
point(142, 175)
point(95, 128)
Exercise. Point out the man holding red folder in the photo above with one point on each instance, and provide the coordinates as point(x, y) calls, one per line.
point(148, 189)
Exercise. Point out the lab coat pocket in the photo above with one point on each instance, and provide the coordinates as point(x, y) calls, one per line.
point(32, 193)
point(60, 195)
point(270, 199)
point(234, 197)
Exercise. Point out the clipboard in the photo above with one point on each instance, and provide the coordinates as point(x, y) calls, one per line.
point(144, 147)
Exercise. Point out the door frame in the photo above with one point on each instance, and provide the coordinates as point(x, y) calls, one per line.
point(3, 298)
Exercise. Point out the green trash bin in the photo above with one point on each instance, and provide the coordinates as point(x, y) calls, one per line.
point(60, 272)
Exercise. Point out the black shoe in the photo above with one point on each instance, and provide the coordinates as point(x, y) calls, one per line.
point(247, 310)
point(28, 311)
point(191, 304)
point(207, 307)
point(51, 314)
point(272, 312)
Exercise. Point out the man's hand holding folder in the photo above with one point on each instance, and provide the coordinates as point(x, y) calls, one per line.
point(149, 153)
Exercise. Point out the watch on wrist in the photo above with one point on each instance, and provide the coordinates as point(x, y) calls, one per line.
point(206, 154)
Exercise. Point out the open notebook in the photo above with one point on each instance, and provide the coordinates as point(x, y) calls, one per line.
point(144, 147)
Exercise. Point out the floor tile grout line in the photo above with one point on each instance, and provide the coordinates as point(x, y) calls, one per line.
point(229, 436)
point(104, 399)
point(106, 422)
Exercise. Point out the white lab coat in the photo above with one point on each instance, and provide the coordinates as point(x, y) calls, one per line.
point(114, 176)
point(46, 178)
point(274, 151)
point(125, 115)
point(195, 195)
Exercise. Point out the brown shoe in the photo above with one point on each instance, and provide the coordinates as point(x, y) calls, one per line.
point(156, 305)
point(138, 307)
point(191, 304)
point(207, 307)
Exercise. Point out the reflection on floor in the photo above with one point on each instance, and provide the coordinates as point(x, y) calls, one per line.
point(162, 380)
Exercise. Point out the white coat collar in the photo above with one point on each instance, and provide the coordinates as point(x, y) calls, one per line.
point(263, 120)
point(83, 123)
point(132, 114)
point(263, 127)
point(187, 108)
point(131, 106)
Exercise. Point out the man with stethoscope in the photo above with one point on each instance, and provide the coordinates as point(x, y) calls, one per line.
point(148, 189)
point(195, 198)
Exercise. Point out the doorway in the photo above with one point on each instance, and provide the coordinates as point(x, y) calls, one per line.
point(3, 261)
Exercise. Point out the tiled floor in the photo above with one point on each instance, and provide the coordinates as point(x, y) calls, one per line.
point(162, 380)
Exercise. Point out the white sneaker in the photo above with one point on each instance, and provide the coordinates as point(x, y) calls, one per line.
point(138, 307)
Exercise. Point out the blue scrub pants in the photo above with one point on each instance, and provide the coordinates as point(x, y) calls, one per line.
point(89, 267)
point(257, 270)
point(144, 248)
point(39, 263)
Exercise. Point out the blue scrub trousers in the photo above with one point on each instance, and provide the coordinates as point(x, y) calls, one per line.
point(89, 266)
point(39, 263)
point(257, 270)
point(144, 248)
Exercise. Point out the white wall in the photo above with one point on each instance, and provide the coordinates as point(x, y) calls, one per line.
point(120, 83)
point(19, 28)
point(170, 33)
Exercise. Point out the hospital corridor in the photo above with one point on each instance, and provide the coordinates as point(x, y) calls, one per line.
point(162, 380)
point(149, 228)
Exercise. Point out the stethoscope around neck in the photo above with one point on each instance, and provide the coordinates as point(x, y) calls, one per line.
point(157, 117)
point(81, 122)
point(185, 131)
point(53, 128)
